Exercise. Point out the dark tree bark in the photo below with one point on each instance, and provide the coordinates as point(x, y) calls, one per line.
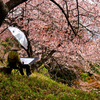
point(5, 8)
point(42, 60)
point(29, 50)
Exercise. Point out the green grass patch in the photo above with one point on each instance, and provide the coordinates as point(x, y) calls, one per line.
point(84, 76)
point(39, 87)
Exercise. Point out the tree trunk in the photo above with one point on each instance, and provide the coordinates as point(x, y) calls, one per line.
point(29, 50)
point(5, 8)
point(42, 60)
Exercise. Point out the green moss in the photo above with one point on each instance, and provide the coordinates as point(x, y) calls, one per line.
point(84, 75)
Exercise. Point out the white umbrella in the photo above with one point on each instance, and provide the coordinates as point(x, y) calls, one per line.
point(19, 35)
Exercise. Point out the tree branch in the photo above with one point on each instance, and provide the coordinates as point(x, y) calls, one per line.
point(67, 8)
point(5, 8)
point(40, 62)
point(77, 12)
point(13, 3)
point(65, 16)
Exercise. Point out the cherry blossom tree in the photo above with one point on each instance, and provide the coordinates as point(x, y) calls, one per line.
point(59, 22)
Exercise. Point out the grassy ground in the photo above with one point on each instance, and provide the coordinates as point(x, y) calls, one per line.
point(39, 87)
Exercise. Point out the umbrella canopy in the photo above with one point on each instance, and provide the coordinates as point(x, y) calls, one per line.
point(19, 35)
